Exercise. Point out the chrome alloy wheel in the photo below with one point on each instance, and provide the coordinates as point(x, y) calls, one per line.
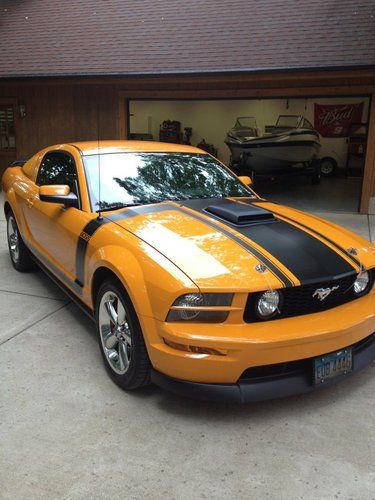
point(13, 239)
point(115, 333)
point(326, 167)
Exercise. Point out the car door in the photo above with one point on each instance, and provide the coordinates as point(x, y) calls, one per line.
point(54, 229)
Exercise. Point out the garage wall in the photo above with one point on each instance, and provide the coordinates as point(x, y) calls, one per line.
point(212, 119)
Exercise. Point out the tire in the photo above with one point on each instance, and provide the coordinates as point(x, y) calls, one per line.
point(121, 340)
point(19, 254)
point(328, 166)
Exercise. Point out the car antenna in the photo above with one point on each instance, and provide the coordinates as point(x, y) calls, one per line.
point(100, 218)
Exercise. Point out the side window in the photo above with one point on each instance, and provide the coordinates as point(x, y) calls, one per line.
point(58, 168)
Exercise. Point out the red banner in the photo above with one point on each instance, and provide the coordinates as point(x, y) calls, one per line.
point(333, 120)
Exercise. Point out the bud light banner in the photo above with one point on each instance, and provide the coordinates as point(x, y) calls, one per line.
point(333, 120)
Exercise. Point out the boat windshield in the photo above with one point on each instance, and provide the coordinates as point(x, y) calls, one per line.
point(291, 121)
point(246, 122)
point(128, 179)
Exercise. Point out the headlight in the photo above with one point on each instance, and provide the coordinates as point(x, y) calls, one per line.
point(199, 307)
point(268, 304)
point(361, 283)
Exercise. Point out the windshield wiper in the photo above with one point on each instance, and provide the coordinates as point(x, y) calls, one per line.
point(118, 207)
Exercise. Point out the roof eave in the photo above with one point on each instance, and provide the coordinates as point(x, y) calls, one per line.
point(196, 72)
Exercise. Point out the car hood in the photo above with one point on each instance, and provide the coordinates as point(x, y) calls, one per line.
point(242, 244)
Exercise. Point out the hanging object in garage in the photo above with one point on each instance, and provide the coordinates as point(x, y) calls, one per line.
point(334, 120)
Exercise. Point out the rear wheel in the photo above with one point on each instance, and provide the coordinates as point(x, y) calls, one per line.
point(19, 253)
point(328, 166)
point(120, 338)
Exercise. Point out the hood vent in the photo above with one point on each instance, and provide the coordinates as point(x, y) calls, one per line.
point(240, 214)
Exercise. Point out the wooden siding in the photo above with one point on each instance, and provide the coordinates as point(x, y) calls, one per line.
point(61, 113)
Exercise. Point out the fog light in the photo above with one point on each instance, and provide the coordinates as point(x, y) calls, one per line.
point(194, 349)
point(268, 304)
point(361, 283)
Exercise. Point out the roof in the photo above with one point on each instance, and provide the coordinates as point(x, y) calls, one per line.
point(124, 37)
point(91, 147)
point(106, 147)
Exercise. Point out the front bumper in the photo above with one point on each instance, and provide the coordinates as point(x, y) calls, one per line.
point(281, 381)
point(257, 344)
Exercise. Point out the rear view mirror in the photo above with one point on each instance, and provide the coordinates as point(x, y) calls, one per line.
point(58, 194)
point(246, 180)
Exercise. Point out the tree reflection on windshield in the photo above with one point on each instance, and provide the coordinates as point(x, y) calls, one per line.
point(141, 178)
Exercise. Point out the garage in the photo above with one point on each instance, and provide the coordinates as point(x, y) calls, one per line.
point(188, 339)
point(341, 154)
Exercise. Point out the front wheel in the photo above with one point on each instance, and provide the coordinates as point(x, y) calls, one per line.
point(18, 252)
point(120, 338)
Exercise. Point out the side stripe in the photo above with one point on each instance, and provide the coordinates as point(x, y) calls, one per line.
point(95, 224)
point(83, 241)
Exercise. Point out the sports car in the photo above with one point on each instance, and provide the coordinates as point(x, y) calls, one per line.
point(195, 283)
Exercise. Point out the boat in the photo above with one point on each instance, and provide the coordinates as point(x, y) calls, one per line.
point(291, 142)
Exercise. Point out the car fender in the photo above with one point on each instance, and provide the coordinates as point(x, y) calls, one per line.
point(143, 278)
point(11, 182)
point(11, 200)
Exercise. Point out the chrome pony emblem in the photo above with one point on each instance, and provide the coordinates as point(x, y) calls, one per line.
point(322, 293)
point(260, 268)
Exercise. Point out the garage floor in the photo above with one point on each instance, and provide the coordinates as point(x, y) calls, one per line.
point(333, 194)
point(66, 431)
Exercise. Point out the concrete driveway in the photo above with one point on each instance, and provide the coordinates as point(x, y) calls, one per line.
point(66, 431)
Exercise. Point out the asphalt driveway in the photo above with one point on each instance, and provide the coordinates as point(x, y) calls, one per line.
point(66, 431)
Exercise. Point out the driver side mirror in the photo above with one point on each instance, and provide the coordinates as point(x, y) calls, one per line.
point(58, 194)
point(246, 180)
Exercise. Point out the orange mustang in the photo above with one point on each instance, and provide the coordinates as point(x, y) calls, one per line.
point(195, 283)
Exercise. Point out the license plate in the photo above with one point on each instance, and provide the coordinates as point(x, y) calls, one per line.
point(332, 365)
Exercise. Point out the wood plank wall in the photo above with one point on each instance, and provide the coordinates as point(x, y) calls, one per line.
point(62, 113)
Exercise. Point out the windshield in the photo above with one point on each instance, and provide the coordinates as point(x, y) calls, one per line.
point(245, 122)
point(141, 178)
point(288, 121)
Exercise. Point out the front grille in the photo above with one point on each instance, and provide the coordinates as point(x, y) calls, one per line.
point(301, 367)
point(299, 300)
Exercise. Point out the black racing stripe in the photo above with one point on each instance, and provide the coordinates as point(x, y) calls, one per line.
point(262, 258)
point(203, 203)
point(305, 256)
point(308, 258)
point(90, 228)
point(83, 241)
point(333, 243)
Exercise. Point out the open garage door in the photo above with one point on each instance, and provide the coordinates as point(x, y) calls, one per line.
point(304, 152)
